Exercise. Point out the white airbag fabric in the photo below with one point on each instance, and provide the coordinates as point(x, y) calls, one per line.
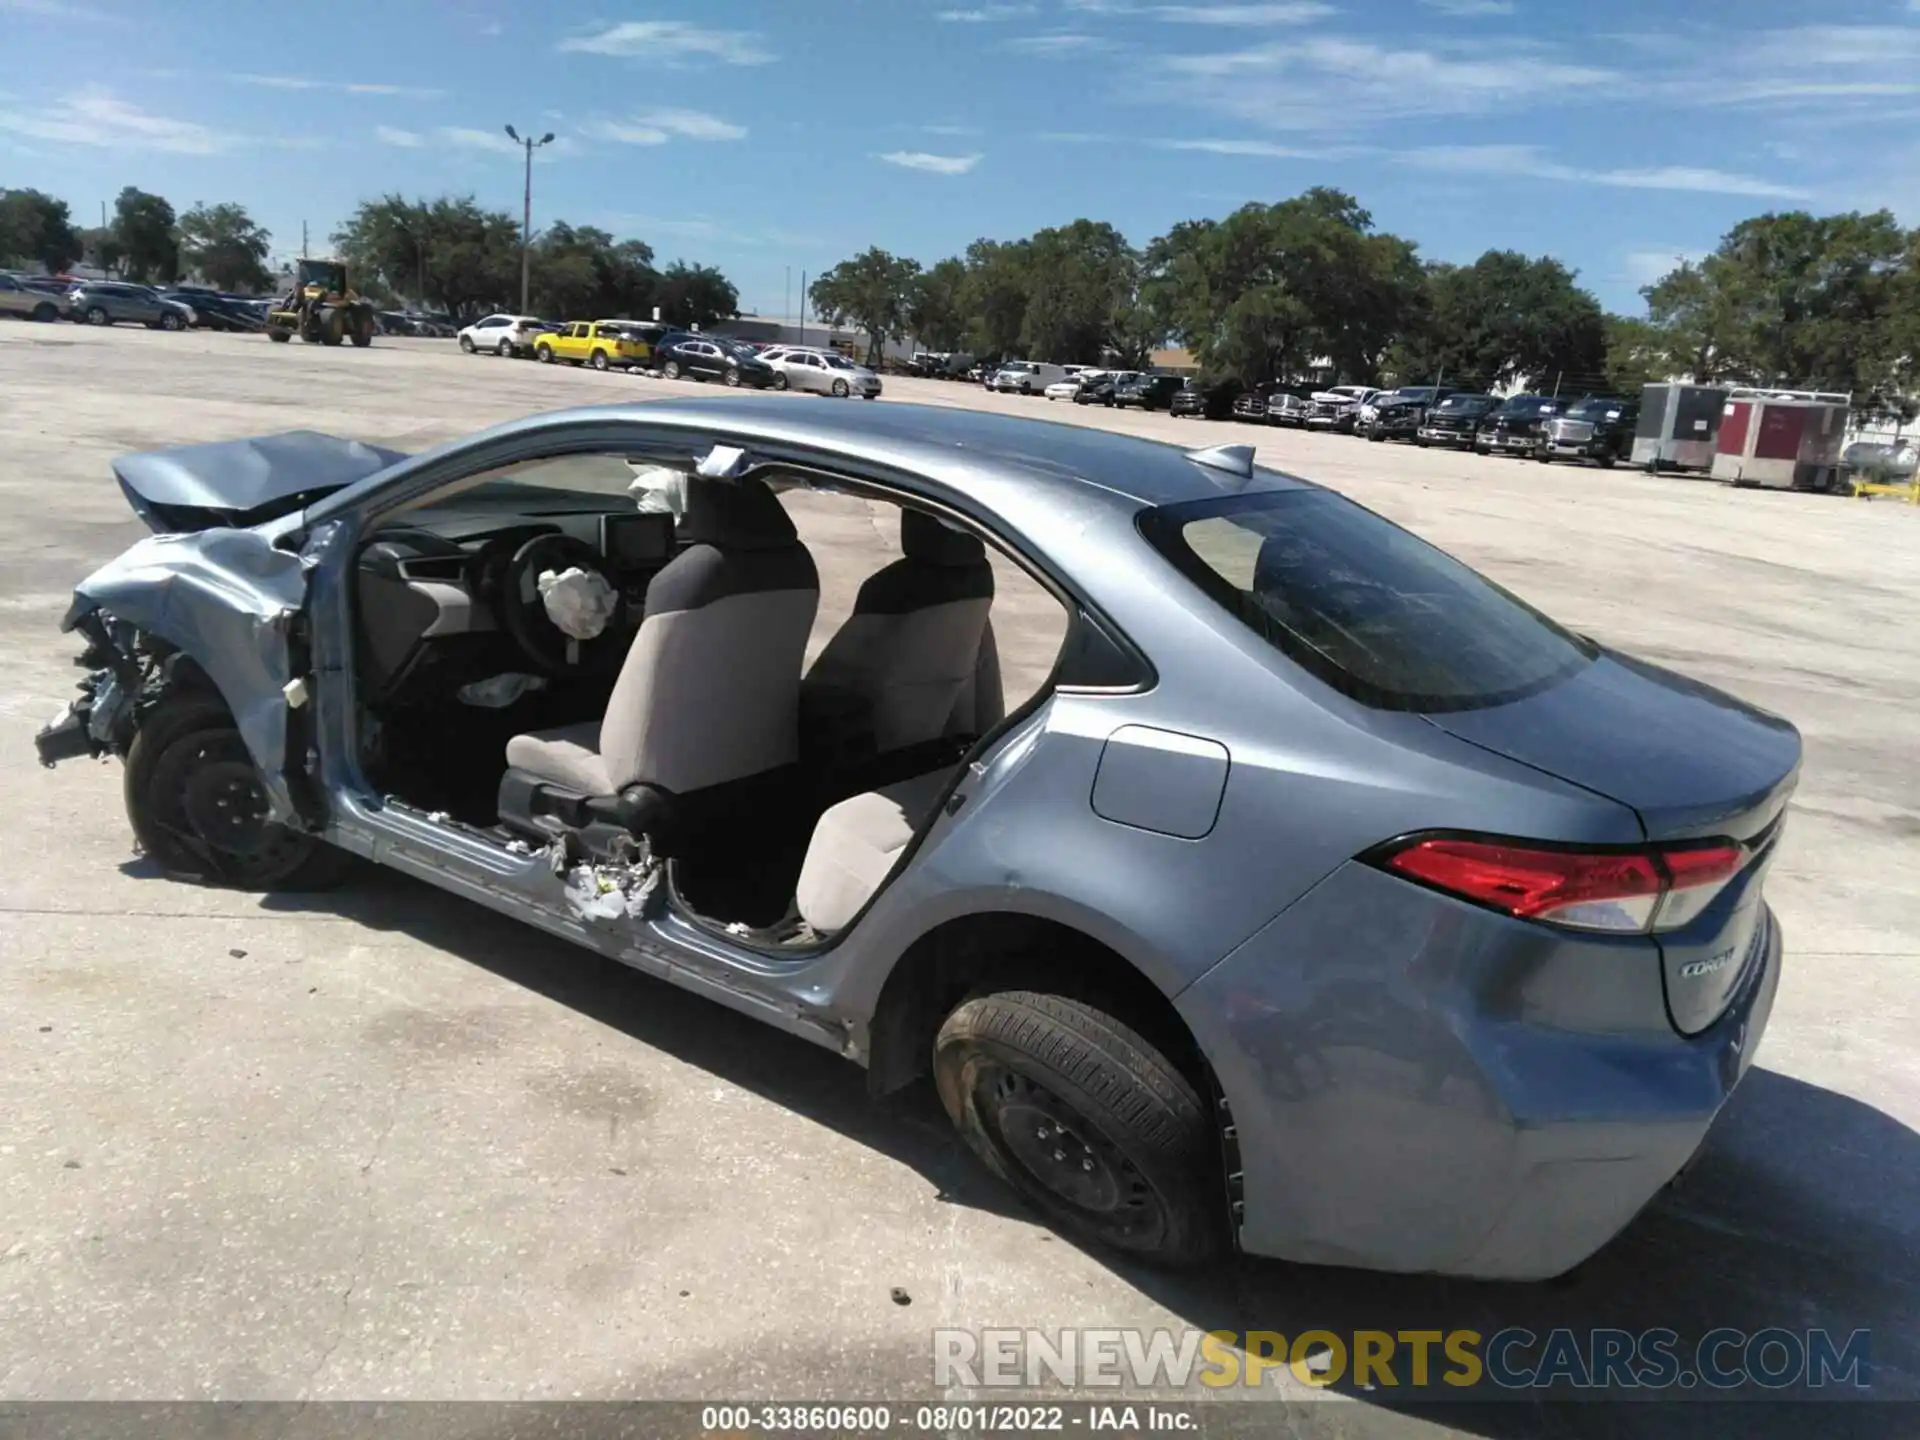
point(580, 602)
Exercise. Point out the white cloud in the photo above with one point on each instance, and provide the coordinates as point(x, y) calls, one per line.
point(1265, 149)
point(951, 129)
point(932, 164)
point(1467, 9)
point(1325, 82)
point(984, 14)
point(96, 117)
point(1075, 137)
point(1058, 43)
point(657, 127)
point(497, 142)
point(344, 87)
point(405, 139)
point(672, 42)
point(1530, 162)
point(1277, 12)
point(56, 9)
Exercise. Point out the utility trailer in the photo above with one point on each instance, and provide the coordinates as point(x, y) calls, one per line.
point(1782, 439)
point(1678, 425)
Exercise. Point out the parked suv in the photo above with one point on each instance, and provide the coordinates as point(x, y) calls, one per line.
point(1454, 421)
point(504, 335)
point(28, 303)
point(108, 302)
point(1206, 399)
point(1149, 392)
point(1599, 428)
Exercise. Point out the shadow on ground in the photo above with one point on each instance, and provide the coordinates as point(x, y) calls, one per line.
point(1802, 1213)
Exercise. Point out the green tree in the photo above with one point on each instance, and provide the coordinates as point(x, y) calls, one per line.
point(1800, 300)
point(143, 226)
point(448, 251)
point(225, 247)
point(999, 284)
point(937, 307)
point(873, 292)
point(696, 295)
point(100, 246)
point(1637, 355)
point(1503, 319)
point(1085, 279)
point(36, 227)
point(584, 273)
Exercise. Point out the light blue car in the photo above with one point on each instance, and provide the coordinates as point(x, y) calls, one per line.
point(1326, 901)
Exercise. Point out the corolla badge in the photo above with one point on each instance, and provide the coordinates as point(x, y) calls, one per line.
point(1694, 969)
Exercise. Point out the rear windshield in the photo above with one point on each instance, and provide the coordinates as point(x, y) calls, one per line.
point(1362, 604)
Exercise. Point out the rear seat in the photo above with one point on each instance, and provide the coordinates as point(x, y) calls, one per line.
point(856, 844)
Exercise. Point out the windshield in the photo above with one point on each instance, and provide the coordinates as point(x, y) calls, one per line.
point(1363, 605)
point(1595, 409)
point(1525, 405)
point(1467, 404)
point(839, 362)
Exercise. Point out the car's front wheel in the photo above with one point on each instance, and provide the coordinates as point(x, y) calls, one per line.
point(840, 391)
point(544, 354)
point(466, 344)
point(1087, 1120)
point(200, 811)
point(45, 313)
point(504, 349)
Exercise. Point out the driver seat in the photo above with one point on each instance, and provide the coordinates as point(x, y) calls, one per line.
point(702, 727)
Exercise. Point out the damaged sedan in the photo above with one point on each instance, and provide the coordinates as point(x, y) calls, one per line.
point(1325, 900)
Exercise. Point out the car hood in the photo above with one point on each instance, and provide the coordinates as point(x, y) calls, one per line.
point(1691, 760)
point(243, 482)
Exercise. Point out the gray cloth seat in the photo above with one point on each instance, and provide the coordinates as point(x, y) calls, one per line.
point(917, 650)
point(709, 692)
point(855, 846)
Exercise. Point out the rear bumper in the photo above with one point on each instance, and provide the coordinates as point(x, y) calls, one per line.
point(1421, 1086)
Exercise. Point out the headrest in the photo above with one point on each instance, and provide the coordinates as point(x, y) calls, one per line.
point(922, 537)
point(735, 515)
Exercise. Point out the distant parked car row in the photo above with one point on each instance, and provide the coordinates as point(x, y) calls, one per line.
point(650, 348)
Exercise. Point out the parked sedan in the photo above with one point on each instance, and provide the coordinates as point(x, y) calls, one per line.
point(25, 302)
point(821, 373)
point(215, 311)
point(1147, 392)
point(109, 302)
point(1206, 399)
point(681, 354)
point(1326, 901)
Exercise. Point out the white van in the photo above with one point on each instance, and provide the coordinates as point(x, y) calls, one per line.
point(1026, 377)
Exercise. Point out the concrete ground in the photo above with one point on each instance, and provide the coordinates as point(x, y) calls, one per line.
point(380, 1143)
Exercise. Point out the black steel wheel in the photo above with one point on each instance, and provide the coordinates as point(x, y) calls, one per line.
point(199, 808)
point(1091, 1124)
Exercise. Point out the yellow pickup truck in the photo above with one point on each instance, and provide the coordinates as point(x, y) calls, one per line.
point(602, 344)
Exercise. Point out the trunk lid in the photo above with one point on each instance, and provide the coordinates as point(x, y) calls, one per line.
point(1692, 761)
point(236, 483)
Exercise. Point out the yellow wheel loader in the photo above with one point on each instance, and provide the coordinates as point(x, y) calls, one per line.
point(322, 307)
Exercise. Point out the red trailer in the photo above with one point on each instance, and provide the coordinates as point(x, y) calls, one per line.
point(1781, 439)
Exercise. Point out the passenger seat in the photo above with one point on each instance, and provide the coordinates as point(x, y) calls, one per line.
point(855, 846)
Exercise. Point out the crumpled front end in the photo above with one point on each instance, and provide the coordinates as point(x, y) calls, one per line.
point(217, 608)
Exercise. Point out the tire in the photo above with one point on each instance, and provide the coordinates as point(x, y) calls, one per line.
point(840, 391)
point(280, 337)
point(96, 315)
point(731, 377)
point(543, 353)
point(362, 332)
point(598, 360)
point(1540, 454)
point(171, 321)
point(1375, 437)
point(466, 345)
point(1481, 450)
point(1421, 441)
point(671, 370)
point(1606, 459)
point(780, 381)
point(1018, 1067)
point(46, 314)
point(504, 350)
point(186, 773)
point(333, 326)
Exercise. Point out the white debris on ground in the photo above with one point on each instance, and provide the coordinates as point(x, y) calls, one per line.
point(619, 889)
point(580, 602)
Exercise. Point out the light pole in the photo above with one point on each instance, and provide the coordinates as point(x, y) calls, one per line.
point(526, 207)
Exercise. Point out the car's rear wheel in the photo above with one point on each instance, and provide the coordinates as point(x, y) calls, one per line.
point(780, 381)
point(171, 321)
point(46, 314)
point(96, 315)
point(731, 376)
point(1090, 1123)
point(1606, 459)
point(671, 369)
point(200, 811)
point(598, 360)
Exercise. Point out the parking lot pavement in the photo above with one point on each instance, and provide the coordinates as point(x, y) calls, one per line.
point(378, 1143)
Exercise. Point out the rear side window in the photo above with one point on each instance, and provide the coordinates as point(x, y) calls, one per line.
point(1365, 606)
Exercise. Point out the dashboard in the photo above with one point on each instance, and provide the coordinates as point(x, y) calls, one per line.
point(428, 584)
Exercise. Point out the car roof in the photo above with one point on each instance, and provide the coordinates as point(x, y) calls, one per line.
point(959, 447)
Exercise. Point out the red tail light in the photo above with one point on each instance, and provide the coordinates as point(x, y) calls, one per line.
point(1657, 889)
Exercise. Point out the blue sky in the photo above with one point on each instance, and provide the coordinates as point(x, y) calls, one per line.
point(768, 135)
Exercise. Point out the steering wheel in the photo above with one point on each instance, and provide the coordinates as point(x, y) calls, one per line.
point(524, 613)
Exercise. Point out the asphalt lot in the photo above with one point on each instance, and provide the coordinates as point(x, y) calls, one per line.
point(380, 1144)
